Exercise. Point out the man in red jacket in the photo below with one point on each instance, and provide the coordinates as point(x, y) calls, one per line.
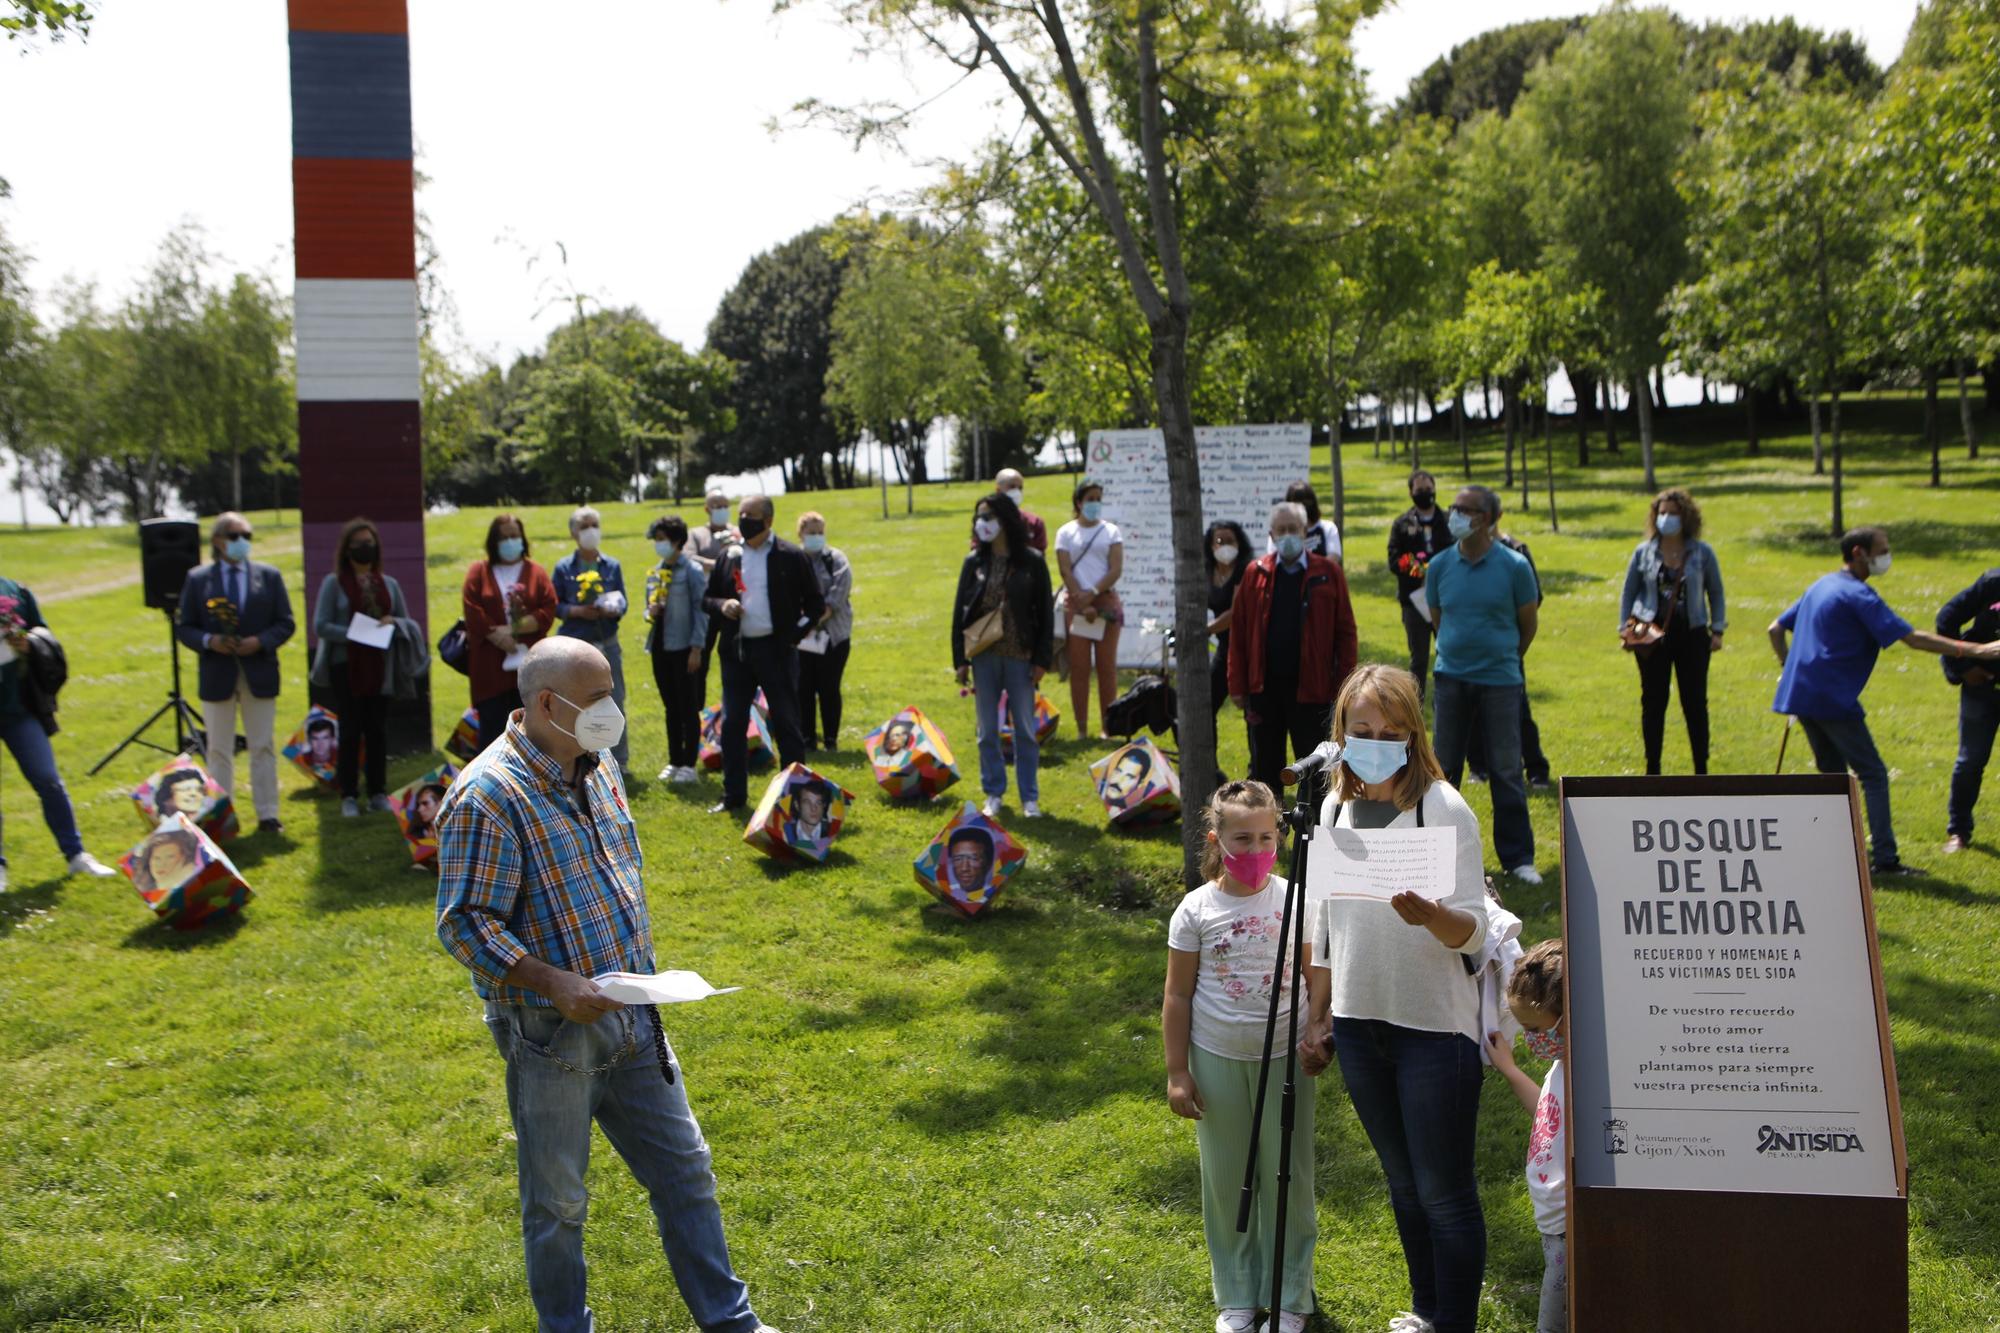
point(1291, 643)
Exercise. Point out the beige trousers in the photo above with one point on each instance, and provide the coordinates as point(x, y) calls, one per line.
point(260, 717)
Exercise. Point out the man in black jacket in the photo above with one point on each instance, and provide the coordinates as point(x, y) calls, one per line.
point(1978, 699)
point(1421, 532)
point(762, 599)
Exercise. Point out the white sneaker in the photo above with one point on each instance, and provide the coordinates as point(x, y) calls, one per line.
point(1289, 1321)
point(3, 878)
point(1031, 809)
point(83, 863)
point(349, 808)
point(991, 808)
point(669, 774)
point(1409, 1323)
point(686, 775)
point(379, 803)
point(1527, 874)
point(1236, 1321)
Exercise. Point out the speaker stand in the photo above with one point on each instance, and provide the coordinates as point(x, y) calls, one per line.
point(188, 731)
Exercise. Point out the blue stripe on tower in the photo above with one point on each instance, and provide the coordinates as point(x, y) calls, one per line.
point(351, 95)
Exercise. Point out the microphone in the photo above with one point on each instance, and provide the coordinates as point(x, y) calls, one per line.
point(1324, 756)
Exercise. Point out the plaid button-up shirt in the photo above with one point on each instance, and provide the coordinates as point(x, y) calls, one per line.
point(525, 867)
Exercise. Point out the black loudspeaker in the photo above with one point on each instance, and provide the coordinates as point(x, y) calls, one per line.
point(168, 549)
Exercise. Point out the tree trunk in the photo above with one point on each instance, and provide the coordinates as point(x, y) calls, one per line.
point(1819, 456)
point(882, 474)
point(1610, 419)
point(1464, 439)
point(1659, 388)
point(1378, 423)
point(1509, 408)
point(1416, 446)
point(1750, 411)
point(1644, 397)
point(1336, 413)
point(1931, 421)
point(1582, 423)
point(1989, 377)
point(1524, 450)
point(1965, 415)
point(1549, 467)
point(1839, 509)
point(236, 477)
point(1486, 396)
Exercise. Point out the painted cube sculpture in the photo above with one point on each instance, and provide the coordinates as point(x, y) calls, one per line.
point(969, 862)
point(910, 756)
point(463, 743)
point(799, 817)
point(1138, 785)
point(757, 733)
point(315, 746)
point(183, 876)
point(1046, 718)
point(416, 811)
point(183, 786)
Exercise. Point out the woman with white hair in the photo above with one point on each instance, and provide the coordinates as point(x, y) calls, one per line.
point(590, 601)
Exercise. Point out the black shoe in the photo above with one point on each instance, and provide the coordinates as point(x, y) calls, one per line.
point(725, 807)
point(1892, 869)
point(270, 826)
point(1541, 783)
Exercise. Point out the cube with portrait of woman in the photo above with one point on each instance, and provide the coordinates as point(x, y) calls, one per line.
point(183, 876)
point(969, 862)
point(1137, 785)
point(182, 786)
point(910, 756)
point(315, 746)
point(799, 817)
point(416, 810)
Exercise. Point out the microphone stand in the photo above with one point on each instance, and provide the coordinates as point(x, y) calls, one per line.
point(1302, 819)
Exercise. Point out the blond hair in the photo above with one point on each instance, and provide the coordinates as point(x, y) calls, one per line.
point(810, 516)
point(1538, 978)
point(1231, 797)
point(1394, 691)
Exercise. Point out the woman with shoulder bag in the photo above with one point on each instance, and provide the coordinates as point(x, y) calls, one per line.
point(510, 604)
point(1673, 621)
point(1002, 641)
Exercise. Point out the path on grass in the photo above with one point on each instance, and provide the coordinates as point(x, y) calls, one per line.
point(61, 592)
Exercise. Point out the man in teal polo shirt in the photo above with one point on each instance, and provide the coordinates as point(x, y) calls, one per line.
point(1484, 600)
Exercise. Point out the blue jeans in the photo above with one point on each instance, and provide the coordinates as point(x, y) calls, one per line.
point(561, 1075)
point(1978, 720)
point(30, 747)
point(992, 673)
point(1840, 744)
point(1417, 1096)
point(1456, 702)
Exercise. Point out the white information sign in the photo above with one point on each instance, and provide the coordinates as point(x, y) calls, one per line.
point(1723, 1025)
point(1244, 471)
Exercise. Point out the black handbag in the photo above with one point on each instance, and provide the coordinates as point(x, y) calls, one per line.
point(44, 671)
point(453, 650)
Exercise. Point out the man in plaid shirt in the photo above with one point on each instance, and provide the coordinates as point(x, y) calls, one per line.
point(539, 890)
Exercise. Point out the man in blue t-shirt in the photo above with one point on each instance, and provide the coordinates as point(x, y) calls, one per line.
point(1483, 600)
point(1838, 628)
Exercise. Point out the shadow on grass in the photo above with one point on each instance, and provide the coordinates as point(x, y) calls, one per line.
point(157, 934)
point(1931, 537)
point(1951, 1098)
point(23, 905)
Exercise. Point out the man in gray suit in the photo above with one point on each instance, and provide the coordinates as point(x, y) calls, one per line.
point(236, 615)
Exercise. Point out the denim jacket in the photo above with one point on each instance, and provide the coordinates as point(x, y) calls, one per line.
point(682, 624)
point(1702, 595)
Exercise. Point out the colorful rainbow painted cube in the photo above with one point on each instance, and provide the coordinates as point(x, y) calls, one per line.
point(183, 786)
point(183, 876)
point(1138, 785)
point(910, 756)
point(800, 815)
point(416, 810)
point(969, 862)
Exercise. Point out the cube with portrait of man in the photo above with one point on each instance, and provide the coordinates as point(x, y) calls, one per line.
point(1046, 721)
point(315, 746)
point(759, 751)
point(182, 786)
point(416, 809)
point(969, 862)
point(799, 817)
point(183, 876)
point(1137, 785)
point(910, 756)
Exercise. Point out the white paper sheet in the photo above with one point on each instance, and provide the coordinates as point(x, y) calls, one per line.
point(370, 632)
point(1381, 863)
point(660, 988)
point(1087, 629)
point(512, 661)
point(1416, 598)
point(816, 642)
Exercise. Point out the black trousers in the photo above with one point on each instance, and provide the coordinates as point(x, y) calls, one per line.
point(1417, 632)
point(1683, 655)
point(493, 715)
point(363, 726)
point(1276, 717)
point(681, 694)
point(819, 691)
point(1533, 762)
point(748, 665)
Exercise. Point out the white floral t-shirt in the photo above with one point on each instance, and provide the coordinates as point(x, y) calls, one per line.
point(1548, 1157)
point(1237, 939)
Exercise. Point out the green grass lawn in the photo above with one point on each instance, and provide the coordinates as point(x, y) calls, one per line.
point(296, 1121)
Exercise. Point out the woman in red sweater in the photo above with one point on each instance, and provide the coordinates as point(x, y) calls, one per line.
point(509, 604)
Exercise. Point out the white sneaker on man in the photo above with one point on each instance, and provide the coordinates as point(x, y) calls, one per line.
point(350, 808)
point(1236, 1321)
point(83, 863)
point(1289, 1321)
point(1409, 1323)
point(1031, 809)
point(991, 807)
point(1527, 873)
point(669, 774)
point(686, 774)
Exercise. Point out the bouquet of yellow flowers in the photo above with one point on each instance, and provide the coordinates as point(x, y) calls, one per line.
point(588, 585)
point(225, 614)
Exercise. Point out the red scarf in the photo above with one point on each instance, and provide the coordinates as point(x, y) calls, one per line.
point(367, 594)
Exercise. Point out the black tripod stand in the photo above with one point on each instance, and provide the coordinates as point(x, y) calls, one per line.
point(188, 732)
point(1302, 819)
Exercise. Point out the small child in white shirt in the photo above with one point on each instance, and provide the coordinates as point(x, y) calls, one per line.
point(1535, 996)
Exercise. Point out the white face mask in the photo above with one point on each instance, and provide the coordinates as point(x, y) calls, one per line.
point(598, 727)
point(1012, 493)
point(588, 538)
point(1225, 555)
point(1878, 565)
point(986, 529)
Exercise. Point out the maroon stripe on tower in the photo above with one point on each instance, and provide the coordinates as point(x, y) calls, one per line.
point(354, 218)
point(361, 458)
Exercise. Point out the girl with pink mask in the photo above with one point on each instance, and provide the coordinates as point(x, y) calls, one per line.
point(1222, 962)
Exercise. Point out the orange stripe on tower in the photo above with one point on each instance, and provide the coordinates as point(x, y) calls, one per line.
point(353, 218)
point(349, 15)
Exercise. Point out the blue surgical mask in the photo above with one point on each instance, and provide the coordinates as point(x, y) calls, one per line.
point(1289, 547)
point(719, 518)
point(1460, 524)
point(664, 549)
point(1669, 525)
point(1374, 761)
point(1092, 509)
point(237, 549)
point(510, 549)
point(814, 541)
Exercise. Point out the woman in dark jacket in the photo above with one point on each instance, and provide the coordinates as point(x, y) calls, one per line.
point(357, 673)
point(1224, 538)
point(1004, 573)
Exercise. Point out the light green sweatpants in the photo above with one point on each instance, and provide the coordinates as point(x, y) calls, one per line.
point(1240, 1261)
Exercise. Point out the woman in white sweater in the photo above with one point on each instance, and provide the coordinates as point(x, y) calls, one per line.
point(1392, 999)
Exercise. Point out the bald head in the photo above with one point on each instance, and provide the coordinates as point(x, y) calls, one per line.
point(1008, 479)
point(558, 679)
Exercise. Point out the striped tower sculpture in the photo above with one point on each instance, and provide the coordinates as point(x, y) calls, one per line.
point(355, 307)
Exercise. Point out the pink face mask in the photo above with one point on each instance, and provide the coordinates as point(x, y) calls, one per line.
point(1547, 1044)
point(1250, 868)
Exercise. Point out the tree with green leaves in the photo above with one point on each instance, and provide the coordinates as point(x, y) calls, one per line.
point(58, 18)
point(576, 428)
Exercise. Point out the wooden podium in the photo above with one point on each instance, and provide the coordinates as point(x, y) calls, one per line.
point(1736, 1149)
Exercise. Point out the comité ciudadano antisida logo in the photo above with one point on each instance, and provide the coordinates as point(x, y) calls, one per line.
point(1800, 1141)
